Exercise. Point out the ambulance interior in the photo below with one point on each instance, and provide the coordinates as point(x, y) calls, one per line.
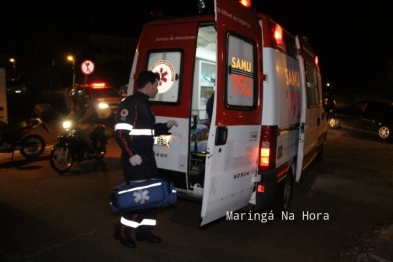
point(203, 88)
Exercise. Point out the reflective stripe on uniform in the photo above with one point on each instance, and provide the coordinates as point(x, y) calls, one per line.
point(123, 126)
point(134, 131)
point(148, 222)
point(133, 224)
point(129, 223)
point(142, 132)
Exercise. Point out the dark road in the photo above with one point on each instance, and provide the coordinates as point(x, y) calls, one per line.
point(342, 209)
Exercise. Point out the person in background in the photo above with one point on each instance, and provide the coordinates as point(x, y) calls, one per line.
point(84, 116)
point(134, 130)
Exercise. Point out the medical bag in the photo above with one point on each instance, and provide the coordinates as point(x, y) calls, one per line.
point(143, 194)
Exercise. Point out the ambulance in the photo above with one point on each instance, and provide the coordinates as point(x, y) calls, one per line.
point(268, 122)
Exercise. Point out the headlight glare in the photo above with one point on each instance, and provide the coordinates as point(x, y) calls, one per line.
point(103, 105)
point(67, 124)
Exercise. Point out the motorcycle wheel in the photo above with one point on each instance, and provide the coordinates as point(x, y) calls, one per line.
point(61, 159)
point(32, 146)
point(100, 148)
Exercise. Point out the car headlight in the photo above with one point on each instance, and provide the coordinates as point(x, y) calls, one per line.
point(103, 105)
point(67, 124)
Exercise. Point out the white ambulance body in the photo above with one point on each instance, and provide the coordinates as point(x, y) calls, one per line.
point(261, 116)
point(294, 124)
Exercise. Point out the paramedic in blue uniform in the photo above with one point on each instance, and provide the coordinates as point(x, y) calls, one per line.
point(134, 129)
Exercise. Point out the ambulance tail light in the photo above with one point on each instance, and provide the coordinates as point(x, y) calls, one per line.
point(316, 61)
point(246, 3)
point(278, 35)
point(267, 147)
point(261, 188)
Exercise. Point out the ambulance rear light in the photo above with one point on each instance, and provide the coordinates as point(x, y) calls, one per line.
point(261, 189)
point(278, 35)
point(267, 147)
point(265, 154)
point(246, 3)
point(316, 61)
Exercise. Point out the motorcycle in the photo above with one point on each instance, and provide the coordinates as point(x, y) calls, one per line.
point(70, 148)
point(29, 146)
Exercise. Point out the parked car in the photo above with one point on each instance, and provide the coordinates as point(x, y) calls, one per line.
point(367, 115)
point(104, 98)
point(15, 87)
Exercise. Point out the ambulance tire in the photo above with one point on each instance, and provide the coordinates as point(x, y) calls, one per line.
point(283, 196)
point(334, 123)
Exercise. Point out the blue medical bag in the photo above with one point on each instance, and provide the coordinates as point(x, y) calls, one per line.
point(143, 194)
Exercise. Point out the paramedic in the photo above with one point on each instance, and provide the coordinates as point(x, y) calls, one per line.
point(134, 129)
point(84, 115)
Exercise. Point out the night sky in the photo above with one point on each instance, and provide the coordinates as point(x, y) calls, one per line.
point(353, 39)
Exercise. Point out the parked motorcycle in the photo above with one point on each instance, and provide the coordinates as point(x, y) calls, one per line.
point(70, 148)
point(29, 146)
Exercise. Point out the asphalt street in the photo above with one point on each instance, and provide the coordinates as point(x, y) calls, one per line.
point(47, 217)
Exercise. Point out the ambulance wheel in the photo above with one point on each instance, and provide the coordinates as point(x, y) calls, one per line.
point(334, 123)
point(283, 196)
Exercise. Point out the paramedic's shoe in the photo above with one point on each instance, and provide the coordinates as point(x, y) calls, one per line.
point(149, 238)
point(125, 241)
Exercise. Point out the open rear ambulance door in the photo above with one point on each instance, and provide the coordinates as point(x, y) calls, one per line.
point(303, 115)
point(233, 144)
point(310, 118)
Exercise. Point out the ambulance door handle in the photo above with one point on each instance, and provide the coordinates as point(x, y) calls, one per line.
point(221, 135)
point(301, 128)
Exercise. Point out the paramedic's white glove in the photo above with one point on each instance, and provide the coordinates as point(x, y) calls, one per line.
point(135, 160)
point(171, 123)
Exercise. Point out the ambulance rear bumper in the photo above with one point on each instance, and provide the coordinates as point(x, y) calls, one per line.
point(265, 189)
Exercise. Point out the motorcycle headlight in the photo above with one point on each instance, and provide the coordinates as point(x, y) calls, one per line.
point(103, 105)
point(67, 124)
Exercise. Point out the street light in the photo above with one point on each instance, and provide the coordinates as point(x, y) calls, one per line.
point(13, 65)
point(71, 58)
